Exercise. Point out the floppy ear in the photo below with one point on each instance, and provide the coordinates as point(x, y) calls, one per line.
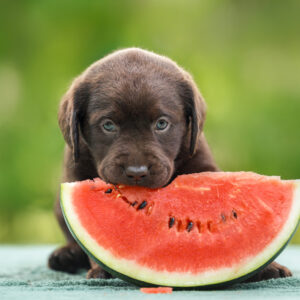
point(195, 109)
point(70, 114)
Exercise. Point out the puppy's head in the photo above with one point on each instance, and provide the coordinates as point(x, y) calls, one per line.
point(137, 113)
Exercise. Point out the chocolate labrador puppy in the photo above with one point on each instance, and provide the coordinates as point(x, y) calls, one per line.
point(136, 118)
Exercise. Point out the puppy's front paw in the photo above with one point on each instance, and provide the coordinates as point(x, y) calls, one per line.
point(97, 272)
point(68, 259)
point(273, 270)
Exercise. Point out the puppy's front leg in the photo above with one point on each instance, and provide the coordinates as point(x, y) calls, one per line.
point(273, 270)
point(70, 257)
point(96, 271)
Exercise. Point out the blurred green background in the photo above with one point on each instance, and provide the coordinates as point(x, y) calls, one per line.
point(244, 55)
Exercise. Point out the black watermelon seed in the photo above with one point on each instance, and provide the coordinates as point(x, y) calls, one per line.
point(223, 217)
point(171, 222)
point(134, 203)
point(234, 214)
point(189, 226)
point(142, 205)
point(108, 191)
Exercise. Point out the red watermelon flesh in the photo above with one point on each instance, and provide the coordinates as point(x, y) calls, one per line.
point(202, 229)
point(158, 290)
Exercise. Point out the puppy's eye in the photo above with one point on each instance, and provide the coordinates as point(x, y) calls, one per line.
point(161, 124)
point(109, 126)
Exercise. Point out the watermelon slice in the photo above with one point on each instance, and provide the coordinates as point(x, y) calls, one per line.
point(203, 230)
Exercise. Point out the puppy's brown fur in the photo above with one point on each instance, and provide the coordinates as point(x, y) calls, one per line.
point(132, 90)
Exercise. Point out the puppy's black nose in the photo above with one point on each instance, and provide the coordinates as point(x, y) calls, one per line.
point(136, 172)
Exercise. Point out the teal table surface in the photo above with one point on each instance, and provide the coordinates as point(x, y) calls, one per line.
point(24, 275)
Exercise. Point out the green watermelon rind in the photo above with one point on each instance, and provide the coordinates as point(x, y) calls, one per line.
point(131, 272)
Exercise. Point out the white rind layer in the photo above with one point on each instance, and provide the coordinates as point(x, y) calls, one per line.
point(135, 271)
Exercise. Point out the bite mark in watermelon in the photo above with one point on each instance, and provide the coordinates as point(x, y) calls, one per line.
point(202, 230)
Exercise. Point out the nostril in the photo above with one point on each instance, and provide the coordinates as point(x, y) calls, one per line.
point(136, 172)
